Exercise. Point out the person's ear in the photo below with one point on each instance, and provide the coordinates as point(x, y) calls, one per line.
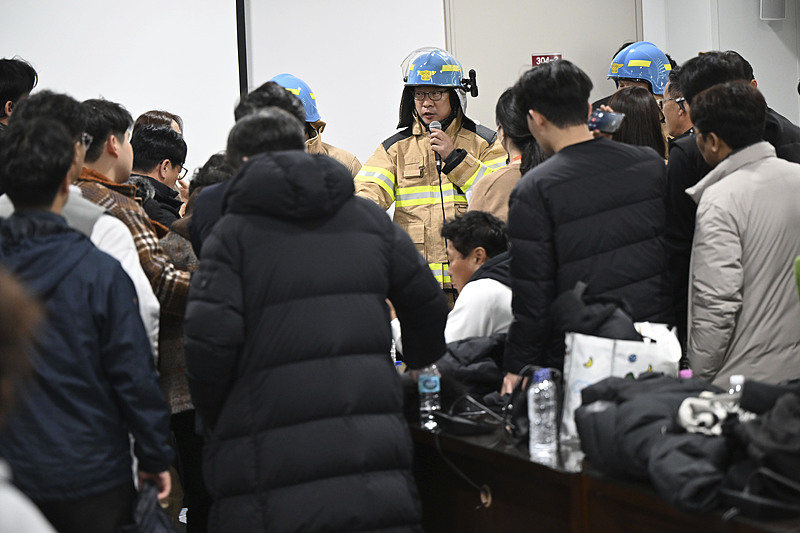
point(163, 169)
point(479, 255)
point(8, 108)
point(112, 145)
point(714, 142)
point(537, 118)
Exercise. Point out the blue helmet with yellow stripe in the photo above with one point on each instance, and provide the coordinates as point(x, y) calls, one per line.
point(433, 66)
point(642, 61)
point(300, 89)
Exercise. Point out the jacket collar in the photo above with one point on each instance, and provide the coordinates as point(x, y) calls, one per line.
point(451, 125)
point(729, 165)
point(126, 189)
point(314, 144)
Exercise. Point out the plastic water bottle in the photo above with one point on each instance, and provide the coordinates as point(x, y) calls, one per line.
point(736, 381)
point(429, 386)
point(542, 417)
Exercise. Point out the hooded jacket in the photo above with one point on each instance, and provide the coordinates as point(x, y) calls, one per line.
point(403, 170)
point(743, 312)
point(287, 347)
point(95, 378)
point(593, 212)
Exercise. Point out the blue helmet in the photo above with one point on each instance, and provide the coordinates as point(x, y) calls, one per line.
point(300, 89)
point(432, 66)
point(642, 61)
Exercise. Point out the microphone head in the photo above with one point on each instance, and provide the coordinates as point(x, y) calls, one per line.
point(435, 125)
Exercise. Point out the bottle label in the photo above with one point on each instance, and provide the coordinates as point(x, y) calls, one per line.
point(428, 384)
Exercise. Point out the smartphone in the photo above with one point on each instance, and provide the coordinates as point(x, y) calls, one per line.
point(605, 121)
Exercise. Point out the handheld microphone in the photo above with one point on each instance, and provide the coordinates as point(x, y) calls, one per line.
point(436, 125)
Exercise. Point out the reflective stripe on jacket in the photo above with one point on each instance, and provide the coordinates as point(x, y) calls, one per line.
point(402, 170)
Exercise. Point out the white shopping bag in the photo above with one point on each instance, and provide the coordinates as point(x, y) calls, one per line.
point(589, 360)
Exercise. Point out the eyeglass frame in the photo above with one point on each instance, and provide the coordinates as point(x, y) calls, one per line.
point(679, 100)
point(86, 139)
point(428, 94)
point(183, 172)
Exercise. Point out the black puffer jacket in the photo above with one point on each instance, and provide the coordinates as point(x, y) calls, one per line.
point(287, 347)
point(593, 212)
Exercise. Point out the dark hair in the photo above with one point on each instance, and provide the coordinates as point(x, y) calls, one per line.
point(625, 45)
point(157, 117)
point(705, 70)
point(642, 123)
point(17, 79)
point(34, 160)
point(559, 90)
point(672, 62)
point(747, 68)
point(267, 130)
point(153, 144)
point(61, 107)
point(217, 169)
point(476, 228)
point(515, 127)
point(735, 111)
point(19, 318)
point(674, 81)
point(270, 94)
point(104, 118)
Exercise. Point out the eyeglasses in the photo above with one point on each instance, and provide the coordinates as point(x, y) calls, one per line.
point(183, 172)
point(86, 139)
point(680, 100)
point(435, 96)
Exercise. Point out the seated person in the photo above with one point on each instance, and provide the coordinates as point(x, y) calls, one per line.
point(477, 249)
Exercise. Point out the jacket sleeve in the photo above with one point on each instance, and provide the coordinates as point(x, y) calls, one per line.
point(715, 291)
point(170, 285)
point(111, 236)
point(465, 169)
point(129, 366)
point(533, 279)
point(214, 325)
point(419, 302)
point(377, 179)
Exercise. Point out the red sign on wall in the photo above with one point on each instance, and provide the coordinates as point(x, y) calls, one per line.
point(538, 59)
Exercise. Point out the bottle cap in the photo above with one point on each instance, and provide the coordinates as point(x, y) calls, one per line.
point(686, 373)
point(541, 375)
point(737, 379)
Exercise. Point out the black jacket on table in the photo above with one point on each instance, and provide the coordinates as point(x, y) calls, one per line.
point(95, 378)
point(687, 167)
point(593, 212)
point(287, 346)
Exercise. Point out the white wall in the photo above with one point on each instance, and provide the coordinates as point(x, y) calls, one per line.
point(349, 53)
point(772, 47)
point(178, 55)
point(498, 41)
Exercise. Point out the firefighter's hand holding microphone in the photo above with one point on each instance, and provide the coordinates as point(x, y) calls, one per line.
point(441, 143)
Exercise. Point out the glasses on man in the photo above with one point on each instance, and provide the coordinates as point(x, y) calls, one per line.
point(679, 100)
point(86, 139)
point(183, 171)
point(433, 95)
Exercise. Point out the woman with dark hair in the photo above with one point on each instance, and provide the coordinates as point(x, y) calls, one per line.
point(492, 192)
point(642, 124)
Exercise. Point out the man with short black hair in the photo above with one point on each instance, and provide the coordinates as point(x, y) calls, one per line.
point(245, 140)
point(686, 165)
point(17, 80)
point(108, 165)
point(674, 108)
point(743, 311)
point(105, 231)
point(159, 154)
point(592, 212)
point(96, 381)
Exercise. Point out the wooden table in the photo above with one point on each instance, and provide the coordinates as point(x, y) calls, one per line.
point(527, 496)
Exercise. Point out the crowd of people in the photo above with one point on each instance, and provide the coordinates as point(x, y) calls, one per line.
point(231, 335)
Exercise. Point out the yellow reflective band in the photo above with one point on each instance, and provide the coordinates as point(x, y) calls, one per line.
point(667, 66)
point(450, 68)
point(378, 175)
point(295, 92)
point(494, 164)
point(615, 67)
point(485, 168)
point(639, 63)
point(430, 201)
point(411, 67)
point(440, 271)
point(424, 188)
point(312, 96)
